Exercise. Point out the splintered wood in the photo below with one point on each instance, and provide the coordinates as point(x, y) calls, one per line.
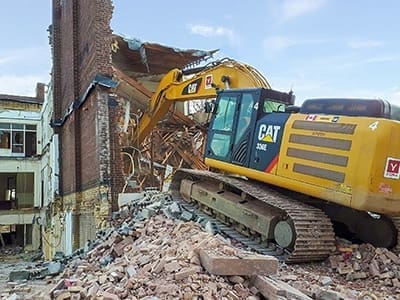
point(177, 141)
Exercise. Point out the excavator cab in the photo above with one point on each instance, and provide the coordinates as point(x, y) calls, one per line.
point(238, 132)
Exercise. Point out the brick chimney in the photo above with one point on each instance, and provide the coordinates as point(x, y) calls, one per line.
point(40, 90)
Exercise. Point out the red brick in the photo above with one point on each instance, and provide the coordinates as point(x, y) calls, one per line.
point(185, 273)
point(374, 268)
point(110, 296)
point(119, 248)
point(392, 256)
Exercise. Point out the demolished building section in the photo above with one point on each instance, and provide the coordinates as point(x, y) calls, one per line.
point(20, 172)
point(138, 68)
point(101, 84)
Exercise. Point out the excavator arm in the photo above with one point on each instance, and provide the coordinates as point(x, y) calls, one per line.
point(203, 83)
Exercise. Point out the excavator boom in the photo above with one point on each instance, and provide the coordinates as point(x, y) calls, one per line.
point(199, 83)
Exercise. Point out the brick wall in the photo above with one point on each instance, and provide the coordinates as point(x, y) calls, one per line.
point(94, 36)
point(66, 55)
point(67, 156)
point(81, 49)
point(90, 140)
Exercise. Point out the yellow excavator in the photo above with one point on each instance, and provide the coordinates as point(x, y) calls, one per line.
point(299, 172)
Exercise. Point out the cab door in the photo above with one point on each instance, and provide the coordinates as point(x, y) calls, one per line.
point(230, 130)
point(221, 130)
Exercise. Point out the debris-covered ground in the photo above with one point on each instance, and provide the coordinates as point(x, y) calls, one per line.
point(17, 262)
point(151, 253)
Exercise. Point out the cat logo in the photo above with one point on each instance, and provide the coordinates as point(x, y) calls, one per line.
point(192, 88)
point(268, 133)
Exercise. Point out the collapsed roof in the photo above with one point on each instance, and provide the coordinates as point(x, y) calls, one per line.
point(147, 62)
point(138, 68)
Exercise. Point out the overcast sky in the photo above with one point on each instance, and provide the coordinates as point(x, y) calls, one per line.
point(318, 48)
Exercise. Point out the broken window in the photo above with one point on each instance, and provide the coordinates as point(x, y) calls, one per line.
point(4, 136)
point(18, 139)
point(30, 140)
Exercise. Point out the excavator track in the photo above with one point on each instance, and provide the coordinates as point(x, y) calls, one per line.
point(302, 233)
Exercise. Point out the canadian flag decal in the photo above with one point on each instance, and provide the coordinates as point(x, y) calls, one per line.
point(311, 117)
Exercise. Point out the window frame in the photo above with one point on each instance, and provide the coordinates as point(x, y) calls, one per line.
point(13, 129)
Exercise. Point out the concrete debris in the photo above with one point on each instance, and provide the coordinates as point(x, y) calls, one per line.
point(219, 263)
point(277, 289)
point(19, 275)
point(40, 271)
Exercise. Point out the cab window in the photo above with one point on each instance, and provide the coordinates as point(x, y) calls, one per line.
point(225, 114)
point(273, 106)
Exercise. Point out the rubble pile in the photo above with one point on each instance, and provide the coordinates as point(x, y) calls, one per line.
point(147, 255)
point(158, 258)
point(352, 272)
point(15, 250)
point(156, 250)
point(363, 261)
point(151, 255)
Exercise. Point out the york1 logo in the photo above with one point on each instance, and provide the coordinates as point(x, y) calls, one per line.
point(268, 133)
point(392, 169)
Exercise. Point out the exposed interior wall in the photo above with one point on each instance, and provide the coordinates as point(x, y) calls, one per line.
point(25, 190)
point(4, 186)
point(24, 176)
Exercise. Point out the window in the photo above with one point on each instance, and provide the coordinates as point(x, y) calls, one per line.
point(17, 139)
point(225, 113)
point(30, 140)
point(221, 138)
point(220, 144)
point(395, 112)
point(4, 136)
point(273, 106)
point(245, 114)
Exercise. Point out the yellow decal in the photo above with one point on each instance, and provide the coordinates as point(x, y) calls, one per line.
point(344, 188)
point(268, 138)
